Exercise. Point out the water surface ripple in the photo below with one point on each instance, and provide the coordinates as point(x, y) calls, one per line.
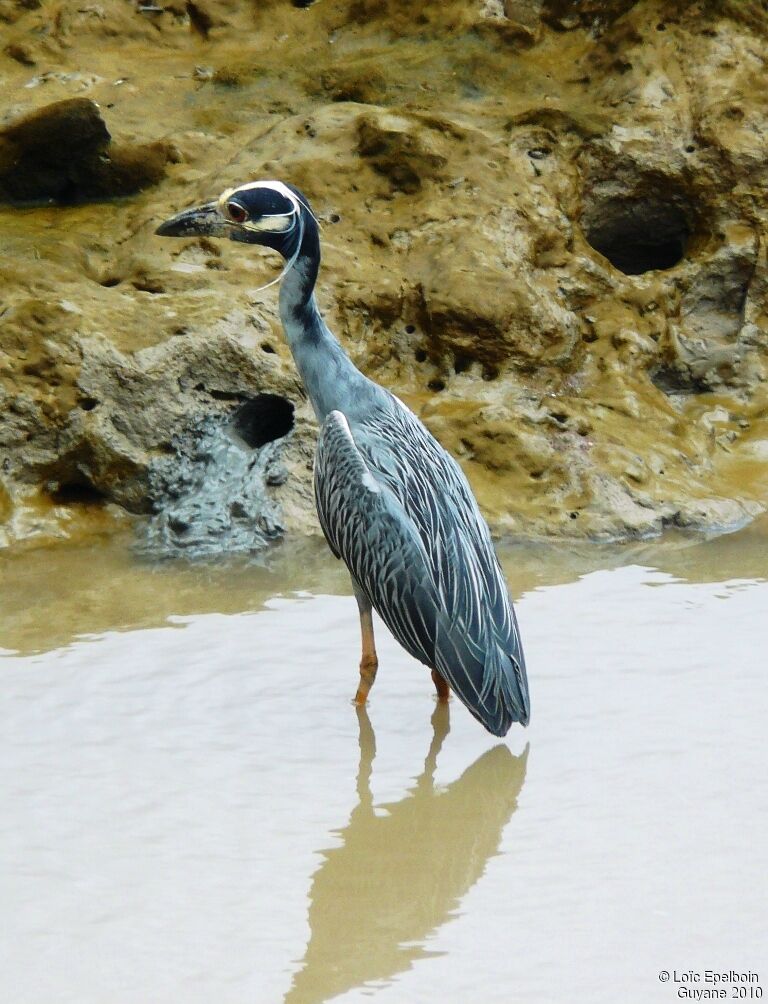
point(193, 811)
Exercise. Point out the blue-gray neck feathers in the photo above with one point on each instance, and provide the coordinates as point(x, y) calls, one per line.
point(329, 376)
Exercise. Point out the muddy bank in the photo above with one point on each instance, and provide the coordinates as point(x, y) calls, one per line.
point(543, 223)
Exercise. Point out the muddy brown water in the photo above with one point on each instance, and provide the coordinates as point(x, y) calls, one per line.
point(193, 811)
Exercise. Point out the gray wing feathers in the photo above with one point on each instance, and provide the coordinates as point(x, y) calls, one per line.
point(399, 511)
point(366, 526)
point(436, 496)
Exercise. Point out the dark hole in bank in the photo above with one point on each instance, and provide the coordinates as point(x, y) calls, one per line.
point(262, 420)
point(638, 234)
point(75, 493)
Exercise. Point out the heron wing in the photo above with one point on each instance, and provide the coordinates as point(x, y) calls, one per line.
point(398, 509)
point(366, 526)
point(436, 495)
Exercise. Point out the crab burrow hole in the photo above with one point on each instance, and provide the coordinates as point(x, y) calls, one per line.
point(640, 229)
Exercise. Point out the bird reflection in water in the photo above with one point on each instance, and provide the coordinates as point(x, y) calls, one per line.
point(401, 870)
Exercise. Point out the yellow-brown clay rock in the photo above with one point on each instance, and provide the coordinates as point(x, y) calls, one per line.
point(63, 153)
point(543, 226)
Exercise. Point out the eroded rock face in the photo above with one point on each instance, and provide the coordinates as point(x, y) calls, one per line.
point(212, 492)
point(63, 153)
point(543, 227)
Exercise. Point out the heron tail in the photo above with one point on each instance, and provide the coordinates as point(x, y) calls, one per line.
point(513, 703)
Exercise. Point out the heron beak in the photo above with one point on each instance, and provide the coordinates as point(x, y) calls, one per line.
point(202, 221)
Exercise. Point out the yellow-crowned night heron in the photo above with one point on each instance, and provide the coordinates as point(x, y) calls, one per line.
point(392, 503)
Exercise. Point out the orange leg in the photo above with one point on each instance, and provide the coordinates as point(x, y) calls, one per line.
point(369, 661)
point(441, 686)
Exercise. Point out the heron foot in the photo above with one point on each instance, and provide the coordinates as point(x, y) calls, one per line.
point(442, 688)
point(368, 667)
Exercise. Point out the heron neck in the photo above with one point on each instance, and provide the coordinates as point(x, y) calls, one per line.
point(328, 374)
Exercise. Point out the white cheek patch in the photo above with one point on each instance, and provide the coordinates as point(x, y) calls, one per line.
point(276, 186)
point(276, 224)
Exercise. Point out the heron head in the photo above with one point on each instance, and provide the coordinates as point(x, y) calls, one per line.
point(268, 213)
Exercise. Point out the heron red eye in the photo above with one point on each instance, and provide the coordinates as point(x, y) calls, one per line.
point(236, 212)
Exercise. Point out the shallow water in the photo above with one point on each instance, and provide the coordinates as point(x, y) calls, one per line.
point(193, 810)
